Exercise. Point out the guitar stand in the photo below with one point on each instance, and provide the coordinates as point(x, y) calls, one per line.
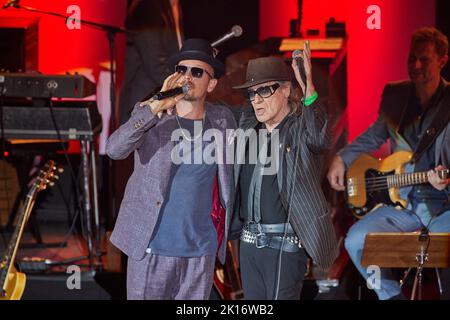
point(90, 208)
point(26, 165)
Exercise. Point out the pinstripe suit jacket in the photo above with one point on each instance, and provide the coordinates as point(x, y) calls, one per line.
point(303, 138)
point(150, 139)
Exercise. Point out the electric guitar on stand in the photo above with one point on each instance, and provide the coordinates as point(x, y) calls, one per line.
point(12, 282)
point(371, 181)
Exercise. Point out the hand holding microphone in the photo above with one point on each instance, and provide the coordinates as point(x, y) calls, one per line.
point(301, 64)
point(174, 88)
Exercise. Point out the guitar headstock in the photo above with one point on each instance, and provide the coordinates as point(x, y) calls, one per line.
point(47, 175)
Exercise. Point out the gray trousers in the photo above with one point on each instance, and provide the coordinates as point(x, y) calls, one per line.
point(166, 278)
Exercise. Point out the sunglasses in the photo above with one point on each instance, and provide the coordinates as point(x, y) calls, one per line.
point(263, 92)
point(195, 71)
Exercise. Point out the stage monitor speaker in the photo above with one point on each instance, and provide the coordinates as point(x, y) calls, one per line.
point(19, 44)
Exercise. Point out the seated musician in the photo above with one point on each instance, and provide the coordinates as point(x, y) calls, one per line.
point(414, 116)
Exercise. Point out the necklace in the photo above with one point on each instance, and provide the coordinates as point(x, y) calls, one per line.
point(182, 130)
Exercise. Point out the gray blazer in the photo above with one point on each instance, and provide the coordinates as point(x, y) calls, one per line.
point(303, 139)
point(392, 115)
point(150, 139)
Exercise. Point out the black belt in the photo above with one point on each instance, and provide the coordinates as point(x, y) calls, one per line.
point(270, 227)
point(290, 242)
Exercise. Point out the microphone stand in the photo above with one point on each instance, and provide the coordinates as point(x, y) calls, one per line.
point(421, 258)
point(110, 32)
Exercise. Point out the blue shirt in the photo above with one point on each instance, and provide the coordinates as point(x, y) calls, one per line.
point(419, 120)
point(185, 227)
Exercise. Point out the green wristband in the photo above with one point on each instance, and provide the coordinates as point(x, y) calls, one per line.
point(310, 100)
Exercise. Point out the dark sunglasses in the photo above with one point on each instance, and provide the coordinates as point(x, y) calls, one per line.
point(195, 71)
point(263, 92)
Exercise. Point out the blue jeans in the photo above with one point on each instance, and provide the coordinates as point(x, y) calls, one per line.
point(389, 219)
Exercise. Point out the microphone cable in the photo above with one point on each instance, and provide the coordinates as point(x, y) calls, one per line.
point(280, 254)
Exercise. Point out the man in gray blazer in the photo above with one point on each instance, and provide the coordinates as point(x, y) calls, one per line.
point(175, 213)
point(282, 208)
point(414, 116)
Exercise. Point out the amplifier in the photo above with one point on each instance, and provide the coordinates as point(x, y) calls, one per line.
point(35, 85)
point(76, 120)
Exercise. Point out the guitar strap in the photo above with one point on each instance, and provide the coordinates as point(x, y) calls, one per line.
point(439, 122)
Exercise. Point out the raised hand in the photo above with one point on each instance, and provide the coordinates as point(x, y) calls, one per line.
point(306, 58)
point(157, 107)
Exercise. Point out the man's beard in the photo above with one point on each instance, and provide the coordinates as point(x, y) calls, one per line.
point(190, 98)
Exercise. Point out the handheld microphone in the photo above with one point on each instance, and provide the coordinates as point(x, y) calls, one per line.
point(171, 93)
point(236, 31)
point(11, 3)
point(298, 56)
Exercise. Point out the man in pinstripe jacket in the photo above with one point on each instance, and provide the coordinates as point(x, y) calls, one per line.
point(283, 211)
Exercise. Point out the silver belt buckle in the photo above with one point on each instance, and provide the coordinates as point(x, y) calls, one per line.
point(261, 240)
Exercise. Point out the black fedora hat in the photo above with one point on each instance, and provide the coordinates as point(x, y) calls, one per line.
point(198, 49)
point(266, 69)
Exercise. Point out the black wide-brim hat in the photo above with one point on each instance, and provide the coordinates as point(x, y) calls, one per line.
point(266, 69)
point(198, 49)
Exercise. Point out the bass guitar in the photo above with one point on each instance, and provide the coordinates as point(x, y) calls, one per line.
point(371, 181)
